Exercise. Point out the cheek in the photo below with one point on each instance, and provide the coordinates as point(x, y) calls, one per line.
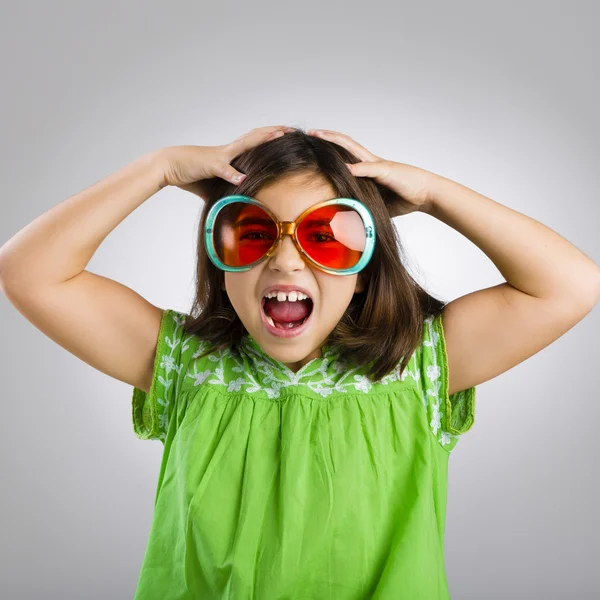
point(241, 288)
point(239, 285)
point(339, 286)
point(335, 299)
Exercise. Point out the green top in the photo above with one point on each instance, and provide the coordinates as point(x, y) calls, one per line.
point(310, 485)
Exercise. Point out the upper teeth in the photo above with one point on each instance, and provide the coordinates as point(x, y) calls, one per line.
point(283, 296)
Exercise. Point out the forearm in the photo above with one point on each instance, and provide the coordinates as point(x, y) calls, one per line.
point(59, 244)
point(530, 256)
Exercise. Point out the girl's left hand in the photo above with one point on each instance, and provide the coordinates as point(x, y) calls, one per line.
point(409, 185)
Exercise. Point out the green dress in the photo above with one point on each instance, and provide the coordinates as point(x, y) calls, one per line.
point(278, 485)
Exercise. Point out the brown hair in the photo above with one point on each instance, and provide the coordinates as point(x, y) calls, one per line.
point(382, 325)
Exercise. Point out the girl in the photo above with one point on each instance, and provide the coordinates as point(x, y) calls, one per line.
point(305, 405)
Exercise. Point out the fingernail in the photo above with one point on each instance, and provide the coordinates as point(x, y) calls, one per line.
point(238, 178)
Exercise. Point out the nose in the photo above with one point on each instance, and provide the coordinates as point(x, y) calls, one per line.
point(286, 257)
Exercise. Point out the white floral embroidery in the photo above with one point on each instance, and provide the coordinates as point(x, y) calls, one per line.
point(431, 395)
point(249, 369)
point(235, 385)
point(168, 374)
point(323, 375)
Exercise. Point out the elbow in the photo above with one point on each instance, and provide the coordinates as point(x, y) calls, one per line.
point(590, 292)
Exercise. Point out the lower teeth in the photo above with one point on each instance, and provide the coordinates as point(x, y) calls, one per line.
point(284, 325)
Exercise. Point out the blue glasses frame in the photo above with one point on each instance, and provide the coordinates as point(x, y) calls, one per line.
point(289, 228)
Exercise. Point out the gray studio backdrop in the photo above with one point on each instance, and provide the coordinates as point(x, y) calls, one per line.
point(500, 97)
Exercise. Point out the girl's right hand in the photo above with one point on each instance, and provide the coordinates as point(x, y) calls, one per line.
point(187, 166)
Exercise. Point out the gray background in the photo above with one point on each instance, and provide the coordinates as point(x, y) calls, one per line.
point(502, 97)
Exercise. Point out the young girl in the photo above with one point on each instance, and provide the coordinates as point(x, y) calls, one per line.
point(305, 404)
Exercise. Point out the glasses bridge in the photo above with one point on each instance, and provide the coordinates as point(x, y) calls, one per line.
point(287, 227)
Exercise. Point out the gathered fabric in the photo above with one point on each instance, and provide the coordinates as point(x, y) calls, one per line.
point(318, 484)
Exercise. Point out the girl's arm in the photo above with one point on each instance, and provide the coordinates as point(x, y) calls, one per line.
point(59, 244)
point(550, 286)
point(531, 257)
point(102, 322)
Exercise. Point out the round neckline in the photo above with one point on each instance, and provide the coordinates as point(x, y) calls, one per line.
point(249, 343)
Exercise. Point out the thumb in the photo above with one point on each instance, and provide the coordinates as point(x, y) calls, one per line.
point(365, 169)
point(230, 174)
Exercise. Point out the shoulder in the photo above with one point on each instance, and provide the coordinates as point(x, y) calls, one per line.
point(179, 351)
point(449, 415)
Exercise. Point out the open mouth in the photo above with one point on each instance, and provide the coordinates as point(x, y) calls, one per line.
point(286, 316)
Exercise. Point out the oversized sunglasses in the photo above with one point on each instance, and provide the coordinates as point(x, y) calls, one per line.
point(336, 236)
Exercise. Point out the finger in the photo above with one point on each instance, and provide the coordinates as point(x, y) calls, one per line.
point(243, 144)
point(262, 132)
point(346, 142)
point(255, 138)
point(227, 172)
point(378, 170)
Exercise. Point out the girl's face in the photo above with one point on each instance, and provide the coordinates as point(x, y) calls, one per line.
point(331, 294)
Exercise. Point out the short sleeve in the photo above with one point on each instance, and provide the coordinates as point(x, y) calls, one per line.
point(151, 411)
point(449, 416)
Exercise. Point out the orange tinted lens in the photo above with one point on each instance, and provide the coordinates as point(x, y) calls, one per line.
point(243, 233)
point(333, 236)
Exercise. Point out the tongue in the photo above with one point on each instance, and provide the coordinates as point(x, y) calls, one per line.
point(287, 311)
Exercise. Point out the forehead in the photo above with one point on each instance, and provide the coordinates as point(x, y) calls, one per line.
point(290, 196)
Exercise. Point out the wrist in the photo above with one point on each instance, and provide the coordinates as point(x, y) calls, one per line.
point(433, 193)
point(157, 162)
